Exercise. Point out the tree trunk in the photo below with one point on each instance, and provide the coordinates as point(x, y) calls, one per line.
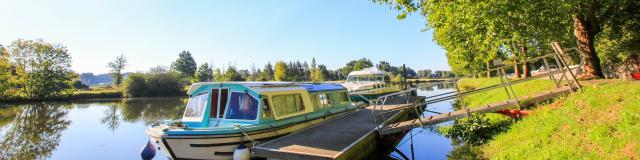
point(516, 68)
point(525, 69)
point(489, 69)
point(525, 65)
point(585, 34)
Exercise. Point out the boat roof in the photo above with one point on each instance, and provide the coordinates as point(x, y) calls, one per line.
point(367, 71)
point(322, 87)
point(274, 86)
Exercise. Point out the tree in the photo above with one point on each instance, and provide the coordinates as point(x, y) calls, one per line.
point(524, 26)
point(5, 72)
point(77, 84)
point(384, 66)
point(116, 67)
point(355, 65)
point(159, 81)
point(231, 74)
point(280, 73)
point(185, 65)
point(205, 73)
point(43, 69)
point(267, 72)
point(217, 75)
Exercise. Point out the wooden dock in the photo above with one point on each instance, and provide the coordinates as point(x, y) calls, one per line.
point(351, 136)
point(524, 100)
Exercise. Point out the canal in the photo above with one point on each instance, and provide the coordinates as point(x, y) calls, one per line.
point(114, 129)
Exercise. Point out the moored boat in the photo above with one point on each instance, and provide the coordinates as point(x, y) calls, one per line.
point(368, 83)
point(221, 117)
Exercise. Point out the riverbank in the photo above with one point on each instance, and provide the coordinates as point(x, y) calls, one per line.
point(600, 122)
point(83, 95)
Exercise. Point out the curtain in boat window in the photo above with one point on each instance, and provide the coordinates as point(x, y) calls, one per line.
point(196, 105)
point(287, 104)
point(242, 106)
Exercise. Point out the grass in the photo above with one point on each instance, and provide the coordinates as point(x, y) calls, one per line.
point(601, 122)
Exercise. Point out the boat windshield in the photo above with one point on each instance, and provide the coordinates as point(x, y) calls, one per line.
point(242, 106)
point(196, 107)
point(365, 78)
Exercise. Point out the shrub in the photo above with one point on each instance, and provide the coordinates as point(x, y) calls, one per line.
point(154, 84)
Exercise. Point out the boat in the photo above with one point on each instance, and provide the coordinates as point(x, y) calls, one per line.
point(221, 118)
point(367, 84)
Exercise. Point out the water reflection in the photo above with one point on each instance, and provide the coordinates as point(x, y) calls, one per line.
point(34, 131)
point(60, 130)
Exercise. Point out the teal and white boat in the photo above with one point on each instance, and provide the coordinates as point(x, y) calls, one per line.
point(221, 118)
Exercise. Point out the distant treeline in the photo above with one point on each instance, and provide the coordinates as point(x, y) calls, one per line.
point(39, 70)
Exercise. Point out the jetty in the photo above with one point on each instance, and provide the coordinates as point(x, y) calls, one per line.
point(345, 137)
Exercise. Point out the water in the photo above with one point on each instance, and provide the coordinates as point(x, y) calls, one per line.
point(427, 143)
point(115, 129)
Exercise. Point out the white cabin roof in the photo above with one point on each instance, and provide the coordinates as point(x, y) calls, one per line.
point(367, 71)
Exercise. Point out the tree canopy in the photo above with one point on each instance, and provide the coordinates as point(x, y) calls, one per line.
point(116, 67)
point(185, 65)
point(475, 32)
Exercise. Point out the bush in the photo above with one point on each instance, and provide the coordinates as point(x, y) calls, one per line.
point(77, 84)
point(153, 84)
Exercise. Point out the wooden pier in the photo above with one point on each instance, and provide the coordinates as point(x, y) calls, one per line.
point(425, 121)
point(351, 136)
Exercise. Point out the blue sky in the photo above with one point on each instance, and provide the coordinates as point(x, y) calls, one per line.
point(240, 33)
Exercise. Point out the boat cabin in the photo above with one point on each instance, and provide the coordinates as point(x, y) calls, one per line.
point(367, 75)
point(213, 105)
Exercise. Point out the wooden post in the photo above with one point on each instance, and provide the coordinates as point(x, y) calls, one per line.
point(404, 76)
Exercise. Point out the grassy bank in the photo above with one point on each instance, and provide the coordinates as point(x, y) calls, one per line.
point(601, 122)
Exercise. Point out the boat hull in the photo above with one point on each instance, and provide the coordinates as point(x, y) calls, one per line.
point(222, 146)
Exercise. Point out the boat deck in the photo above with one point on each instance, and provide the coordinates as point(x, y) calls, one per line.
point(340, 138)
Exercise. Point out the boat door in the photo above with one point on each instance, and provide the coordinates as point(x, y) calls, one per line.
point(219, 98)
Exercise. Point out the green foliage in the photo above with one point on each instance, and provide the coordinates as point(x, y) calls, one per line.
point(231, 74)
point(356, 65)
point(185, 66)
point(475, 32)
point(476, 129)
point(280, 73)
point(600, 122)
point(42, 69)
point(158, 82)
point(116, 67)
point(205, 73)
point(77, 84)
point(5, 73)
point(384, 66)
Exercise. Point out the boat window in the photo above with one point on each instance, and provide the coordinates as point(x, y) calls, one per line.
point(242, 106)
point(266, 109)
point(341, 97)
point(287, 104)
point(224, 97)
point(325, 100)
point(322, 100)
point(196, 106)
